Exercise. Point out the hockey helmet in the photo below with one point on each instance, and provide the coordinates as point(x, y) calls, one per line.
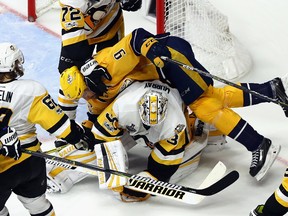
point(153, 108)
point(11, 59)
point(72, 83)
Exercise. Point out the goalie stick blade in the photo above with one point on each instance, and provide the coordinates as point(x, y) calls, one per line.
point(215, 175)
point(220, 185)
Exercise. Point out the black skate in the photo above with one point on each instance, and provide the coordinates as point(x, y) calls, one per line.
point(257, 211)
point(263, 158)
point(279, 93)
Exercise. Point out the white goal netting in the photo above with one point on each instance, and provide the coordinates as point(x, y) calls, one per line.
point(215, 47)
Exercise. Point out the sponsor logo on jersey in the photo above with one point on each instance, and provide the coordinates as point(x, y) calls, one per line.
point(125, 84)
point(186, 91)
point(71, 24)
point(108, 126)
point(157, 86)
point(179, 128)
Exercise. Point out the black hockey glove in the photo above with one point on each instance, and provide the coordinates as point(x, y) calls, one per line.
point(93, 74)
point(10, 144)
point(153, 50)
point(87, 140)
point(131, 5)
point(81, 137)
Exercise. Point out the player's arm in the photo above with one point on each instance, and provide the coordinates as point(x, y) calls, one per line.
point(166, 157)
point(45, 112)
point(75, 48)
point(108, 125)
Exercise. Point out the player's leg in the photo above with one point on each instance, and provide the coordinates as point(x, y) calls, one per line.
point(277, 203)
point(212, 108)
point(31, 191)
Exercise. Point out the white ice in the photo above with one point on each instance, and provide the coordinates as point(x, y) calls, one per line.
point(260, 25)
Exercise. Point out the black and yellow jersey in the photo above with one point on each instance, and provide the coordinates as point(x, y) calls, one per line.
point(23, 104)
point(84, 25)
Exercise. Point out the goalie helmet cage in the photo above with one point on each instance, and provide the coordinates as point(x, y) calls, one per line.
point(207, 30)
point(38, 7)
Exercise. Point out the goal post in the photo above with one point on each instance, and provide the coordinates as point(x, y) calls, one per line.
point(38, 7)
point(207, 29)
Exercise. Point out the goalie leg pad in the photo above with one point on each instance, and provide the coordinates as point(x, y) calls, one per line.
point(111, 155)
point(216, 140)
point(38, 205)
point(62, 180)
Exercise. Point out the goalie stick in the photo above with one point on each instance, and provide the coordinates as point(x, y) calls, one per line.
point(204, 73)
point(215, 175)
point(144, 184)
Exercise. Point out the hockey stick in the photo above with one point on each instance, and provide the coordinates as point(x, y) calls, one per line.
point(57, 149)
point(144, 184)
point(215, 175)
point(257, 94)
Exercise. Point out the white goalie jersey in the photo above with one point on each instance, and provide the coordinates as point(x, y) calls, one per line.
point(125, 110)
point(168, 139)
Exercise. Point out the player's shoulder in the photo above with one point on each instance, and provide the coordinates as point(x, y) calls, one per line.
point(31, 87)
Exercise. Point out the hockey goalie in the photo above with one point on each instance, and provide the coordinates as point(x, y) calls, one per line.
point(147, 113)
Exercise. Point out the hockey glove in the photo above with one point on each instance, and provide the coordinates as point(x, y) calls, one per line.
point(131, 5)
point(153, 50)
point(129, 195)
point(10, 144)
point(93, 74)
point(81, 137)
point(87, 140)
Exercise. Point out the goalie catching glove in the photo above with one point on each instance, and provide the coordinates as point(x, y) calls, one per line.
point(153, 50)
point(10, 144)
point(93, 74)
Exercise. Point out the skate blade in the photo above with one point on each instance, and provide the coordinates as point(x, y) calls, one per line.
point(272, 154)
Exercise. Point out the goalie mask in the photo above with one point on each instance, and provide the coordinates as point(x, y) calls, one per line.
point(153, 108)
point(11, 59)
point(72, 83)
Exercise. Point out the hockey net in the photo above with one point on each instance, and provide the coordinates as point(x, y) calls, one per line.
point(200, 23)
point(36, 8)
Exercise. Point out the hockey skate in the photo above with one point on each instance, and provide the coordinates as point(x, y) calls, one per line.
point(263, 158)
point(257, 211)
point(279, 93)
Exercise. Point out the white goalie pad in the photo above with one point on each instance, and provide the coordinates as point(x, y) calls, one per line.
point(111, 155)
point(61, 180)
point(216, 140)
